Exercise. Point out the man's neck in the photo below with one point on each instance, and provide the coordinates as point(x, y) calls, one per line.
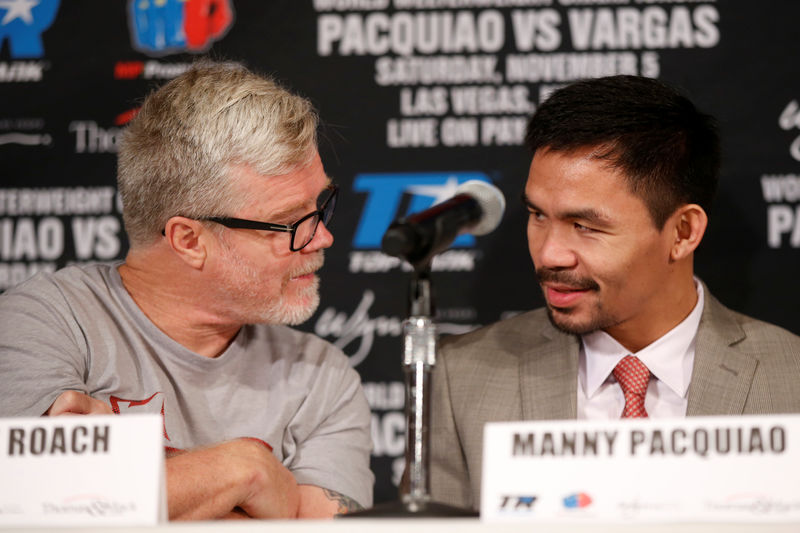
point(666, 312)
point(171, 302)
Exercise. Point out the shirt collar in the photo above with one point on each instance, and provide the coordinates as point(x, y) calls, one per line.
point(601, 353)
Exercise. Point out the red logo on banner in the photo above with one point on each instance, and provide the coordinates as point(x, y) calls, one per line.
point(128, 70)
point(206, 20)
point(126, 116)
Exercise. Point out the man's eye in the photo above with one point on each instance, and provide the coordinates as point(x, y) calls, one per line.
point(582, 228)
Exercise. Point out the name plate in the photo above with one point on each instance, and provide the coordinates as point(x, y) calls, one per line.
point(82, 471)
point(704, 469)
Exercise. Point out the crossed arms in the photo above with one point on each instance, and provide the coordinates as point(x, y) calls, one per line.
point(235, 479)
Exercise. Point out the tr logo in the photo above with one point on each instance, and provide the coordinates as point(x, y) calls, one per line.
point(385, 194)
point(517, 503)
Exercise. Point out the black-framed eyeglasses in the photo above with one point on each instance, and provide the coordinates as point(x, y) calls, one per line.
point(302, 231)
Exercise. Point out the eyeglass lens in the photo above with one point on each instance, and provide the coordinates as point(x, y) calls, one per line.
point(306, 229)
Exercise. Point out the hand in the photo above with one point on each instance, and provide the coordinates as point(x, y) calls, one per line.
point(234, 479)
point(272, 491)
point(72, 402)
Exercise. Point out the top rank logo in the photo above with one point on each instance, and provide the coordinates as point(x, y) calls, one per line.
point(161, 27)
point(385, 193)
point(517, 503)
point(22, 23)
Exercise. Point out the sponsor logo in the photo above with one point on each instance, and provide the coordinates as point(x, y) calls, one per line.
point(128, 70)
point(11, 509)
point(22, 23)
point(392, 195)
point(579, 500)
point(378, 262)
point(161, 27)
point(754, 505)
point(517, 503)
point(126, 116)
point(92, 138)
point(148, 70)
point(385, 193)
point(21, 71)
point(88, 505)
point(781, 190)
point(355, 333)
point(638, 507)
point(24, 132)
point(25, 139)
point(790, 119)
point(732, 506)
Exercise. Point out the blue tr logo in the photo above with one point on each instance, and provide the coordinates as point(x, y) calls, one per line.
point(385, 193)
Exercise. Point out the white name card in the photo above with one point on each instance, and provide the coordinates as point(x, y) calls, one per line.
point(705, 469)
point(82, 471)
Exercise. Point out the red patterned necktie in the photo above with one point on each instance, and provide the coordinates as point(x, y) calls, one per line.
point(633, 377)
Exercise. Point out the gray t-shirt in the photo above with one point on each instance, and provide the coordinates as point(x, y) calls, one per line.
point(79, 329)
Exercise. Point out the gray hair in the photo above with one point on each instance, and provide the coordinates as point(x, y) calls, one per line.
point(176, 155)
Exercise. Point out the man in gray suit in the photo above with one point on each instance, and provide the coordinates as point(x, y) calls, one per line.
point(623, 173)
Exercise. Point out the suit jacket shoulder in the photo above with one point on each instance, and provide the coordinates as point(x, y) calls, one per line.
point(517, 369)
point(743, 365)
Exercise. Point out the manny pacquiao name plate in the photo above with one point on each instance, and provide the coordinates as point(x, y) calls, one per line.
point(82, 471)
point(704, 469)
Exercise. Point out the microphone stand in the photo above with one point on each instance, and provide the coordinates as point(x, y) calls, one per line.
point(419, 358)
point(477, 207)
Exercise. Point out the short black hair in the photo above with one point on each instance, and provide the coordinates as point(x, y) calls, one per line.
point(667, 149)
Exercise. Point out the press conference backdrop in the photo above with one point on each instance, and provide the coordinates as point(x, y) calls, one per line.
point(416, 97)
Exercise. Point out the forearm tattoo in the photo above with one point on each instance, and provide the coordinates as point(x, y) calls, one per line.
point(345, 504)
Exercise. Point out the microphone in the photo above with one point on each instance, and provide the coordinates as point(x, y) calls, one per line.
point(476, 208)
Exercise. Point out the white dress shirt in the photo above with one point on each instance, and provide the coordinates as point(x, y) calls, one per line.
point(669, 359)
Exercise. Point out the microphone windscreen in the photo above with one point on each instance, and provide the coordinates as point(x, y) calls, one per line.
point(491, 201)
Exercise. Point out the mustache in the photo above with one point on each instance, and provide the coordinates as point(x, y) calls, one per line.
point(314, 264)
point(569, 279)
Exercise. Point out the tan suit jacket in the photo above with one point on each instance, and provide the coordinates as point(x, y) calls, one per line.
point(523, 368)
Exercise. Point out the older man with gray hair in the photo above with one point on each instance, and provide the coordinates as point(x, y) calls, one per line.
point(225, 202)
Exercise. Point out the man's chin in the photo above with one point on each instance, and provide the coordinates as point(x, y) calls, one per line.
point(292, 309)
point(300, 314)
point(304, 306)
point(567, 321)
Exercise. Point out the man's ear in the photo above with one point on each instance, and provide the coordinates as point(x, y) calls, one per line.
point(688, 225)
point(187, 238)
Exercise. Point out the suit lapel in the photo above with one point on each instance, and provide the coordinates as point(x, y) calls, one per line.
point(721, 376)
point(549, 376)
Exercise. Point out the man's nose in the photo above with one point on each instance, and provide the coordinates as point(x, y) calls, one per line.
point(322, 239)
point(554, 252)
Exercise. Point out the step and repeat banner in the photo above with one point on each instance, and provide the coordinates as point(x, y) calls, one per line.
point(416, 97)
